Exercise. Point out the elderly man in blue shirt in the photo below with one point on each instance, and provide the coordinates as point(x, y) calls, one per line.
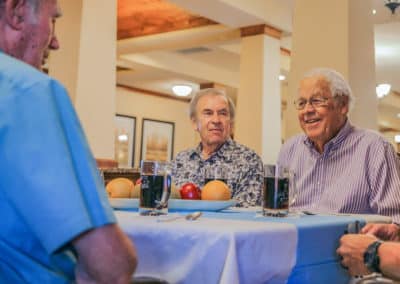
point(56, 223)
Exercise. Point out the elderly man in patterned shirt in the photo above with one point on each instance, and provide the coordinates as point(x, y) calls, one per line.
point(212, 113)
point(339, 167)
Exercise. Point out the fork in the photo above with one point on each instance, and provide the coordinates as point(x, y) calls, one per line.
point(190, 217)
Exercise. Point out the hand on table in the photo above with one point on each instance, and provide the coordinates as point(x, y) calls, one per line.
point(387, 232)
point(352, 248)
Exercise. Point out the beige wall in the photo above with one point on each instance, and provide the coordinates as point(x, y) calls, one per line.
point(142, 106)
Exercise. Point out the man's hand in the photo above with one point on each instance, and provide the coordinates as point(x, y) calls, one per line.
point(352, 248)
point(387, 232)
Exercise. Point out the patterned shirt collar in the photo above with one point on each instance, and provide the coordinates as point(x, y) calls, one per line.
point(221, 152)
point(336, 141)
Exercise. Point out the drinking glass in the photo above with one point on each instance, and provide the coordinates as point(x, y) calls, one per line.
point(155, 188)
point(216, 172)
point(279, 191)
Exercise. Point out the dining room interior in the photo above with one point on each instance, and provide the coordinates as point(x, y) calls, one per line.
point(131, 68)
point(124, 57)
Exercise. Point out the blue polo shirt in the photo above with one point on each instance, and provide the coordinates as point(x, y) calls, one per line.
point(50, 188)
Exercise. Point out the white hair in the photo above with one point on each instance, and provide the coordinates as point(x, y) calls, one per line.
point(338, 86)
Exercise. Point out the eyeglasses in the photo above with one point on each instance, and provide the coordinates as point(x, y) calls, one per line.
point(316, 102)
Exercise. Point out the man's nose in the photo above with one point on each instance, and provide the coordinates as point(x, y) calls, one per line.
point(54, 43)
point(309, 107)
point(215, 118)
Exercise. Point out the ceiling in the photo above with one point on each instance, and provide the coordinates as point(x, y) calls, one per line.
point(162, 43)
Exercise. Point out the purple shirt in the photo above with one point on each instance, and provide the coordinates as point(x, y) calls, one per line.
point(358, 172)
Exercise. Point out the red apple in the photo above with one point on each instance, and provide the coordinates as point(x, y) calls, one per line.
point(190, 191)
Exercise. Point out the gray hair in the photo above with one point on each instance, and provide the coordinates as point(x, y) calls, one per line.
point(210, 92)
point(338, 86)
point(34, 3)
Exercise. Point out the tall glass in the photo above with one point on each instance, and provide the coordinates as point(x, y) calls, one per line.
point(279, 191)
point(155, 188)
point(216, 172)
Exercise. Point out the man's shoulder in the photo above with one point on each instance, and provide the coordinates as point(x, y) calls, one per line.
point(18, 74)
point(368, 137)
point(238, 148)
point(294, 141)
point(185, 154)
point(294, 146)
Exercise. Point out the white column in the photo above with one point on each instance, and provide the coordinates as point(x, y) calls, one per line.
point(336, 34)
point(258, 121)
point(362, 64)
point(86, 64)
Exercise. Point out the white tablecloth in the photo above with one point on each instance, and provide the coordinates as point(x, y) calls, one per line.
point(211, 250)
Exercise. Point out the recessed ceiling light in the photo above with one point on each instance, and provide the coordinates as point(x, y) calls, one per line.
point(282, 77)
point(382, 90)
point(373, 12)
point(182, 90)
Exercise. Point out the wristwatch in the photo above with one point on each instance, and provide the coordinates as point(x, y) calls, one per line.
point(371, 257)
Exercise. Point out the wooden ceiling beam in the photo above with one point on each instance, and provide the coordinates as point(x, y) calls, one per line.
point(177, 40)
point(261, 29)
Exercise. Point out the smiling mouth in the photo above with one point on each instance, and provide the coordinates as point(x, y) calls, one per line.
point(311, 121)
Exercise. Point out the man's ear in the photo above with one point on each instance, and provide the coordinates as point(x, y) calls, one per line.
point(15, 12)
point(195, 125)
point(344, 104)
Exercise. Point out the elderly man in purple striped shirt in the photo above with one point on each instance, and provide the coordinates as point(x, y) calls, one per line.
point(339, 167)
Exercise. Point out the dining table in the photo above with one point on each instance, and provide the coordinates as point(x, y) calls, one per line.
point(240, 245)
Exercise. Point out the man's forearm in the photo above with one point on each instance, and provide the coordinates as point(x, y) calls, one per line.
point(389, 254)
point(105, 255)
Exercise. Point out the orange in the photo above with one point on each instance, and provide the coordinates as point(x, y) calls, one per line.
point(216, 190)
point(120, 188)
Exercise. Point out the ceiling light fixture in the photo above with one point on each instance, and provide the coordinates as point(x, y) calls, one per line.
point(373, 12)
point(181, 90)
point(382, 90)
point(282, 77)
point(392, 5)
point(398, 115)
point(122, 137)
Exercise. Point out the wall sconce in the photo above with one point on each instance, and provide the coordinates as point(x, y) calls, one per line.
point(181, 90)
point(382, 90)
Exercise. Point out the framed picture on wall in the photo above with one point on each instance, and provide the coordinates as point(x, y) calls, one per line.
point(124, 137)
point(157, 140)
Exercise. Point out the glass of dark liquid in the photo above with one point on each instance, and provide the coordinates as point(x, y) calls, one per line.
point(155, 188)
point(277, 195)
point(216, 172)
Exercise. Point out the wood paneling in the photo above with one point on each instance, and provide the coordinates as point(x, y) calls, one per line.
point(261, 29)
point(145, 17)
